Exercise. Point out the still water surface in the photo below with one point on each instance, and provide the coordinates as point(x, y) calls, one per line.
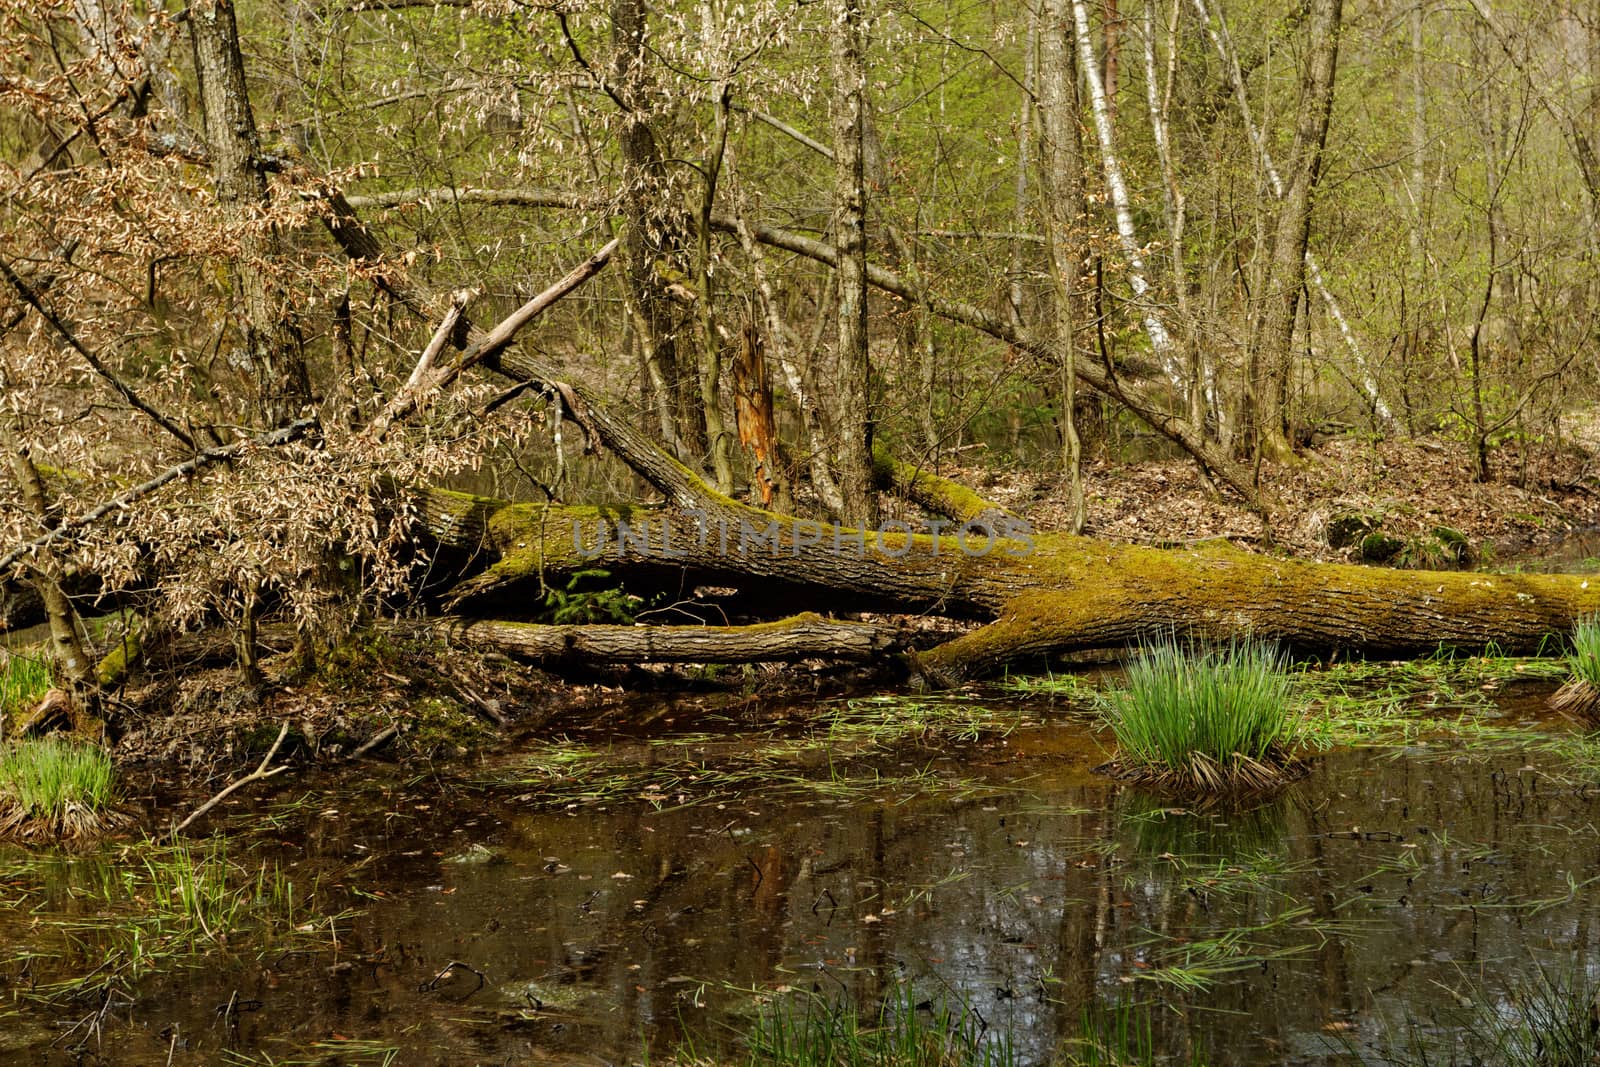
point(603, 907)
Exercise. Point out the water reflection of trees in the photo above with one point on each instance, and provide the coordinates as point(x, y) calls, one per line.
point(1389, 877)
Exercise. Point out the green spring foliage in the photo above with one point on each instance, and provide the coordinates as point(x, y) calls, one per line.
point(55, 788)
point(1205, 717)
point(582, 603)
point(1584, 660)
point(1119, 1035)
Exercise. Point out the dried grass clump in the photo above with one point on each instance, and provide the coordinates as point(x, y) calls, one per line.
point(59, 790)
point(1205, 719)
point(1580, 696)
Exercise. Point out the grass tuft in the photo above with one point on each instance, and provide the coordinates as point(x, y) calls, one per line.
point(1201, 718)
point(1119, 1035)
point(51, 788)
point(1547, 1018)
point(905, 1032)
point(1580, 696)
point(24, 680)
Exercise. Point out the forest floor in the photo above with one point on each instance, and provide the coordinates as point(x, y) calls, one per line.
point(1336, 493)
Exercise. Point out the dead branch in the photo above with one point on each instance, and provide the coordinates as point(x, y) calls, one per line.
point(520, 196)
point(409, 397)
point(807, 636)
point(122, 388)
point(291, 432)
point(258, 775)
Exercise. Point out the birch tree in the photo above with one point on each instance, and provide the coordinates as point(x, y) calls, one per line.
point(1117, 188)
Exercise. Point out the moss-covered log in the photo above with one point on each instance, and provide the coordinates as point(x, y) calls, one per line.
point(937, 494)
point(800, 637)
point(1042, 593)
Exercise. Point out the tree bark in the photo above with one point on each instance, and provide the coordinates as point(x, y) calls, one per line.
point(1117, 187)
point(1223, 44)
point(655, 237)
point(1062, 158)
point(797, 638)
point(756, 423)
point(850, 220)
point(271, 343)
point(711, 342)
point(44, 570)
point(1272, 354)
point(1042, 593)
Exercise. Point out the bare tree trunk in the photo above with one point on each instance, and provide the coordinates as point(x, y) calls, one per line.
point(1489, 143)
point(1024, 139)
point(271, 342)
point(1112, 28)
point(1271, 357)
point(781, 348)
point(711, 344)
point(1419, 135)
point(755, 421)
point(73, 665)
point(1591, 120)
point(1062, 160)
point(853, 421)
point(1223, 44)
point(655, 236)
point(1174, 207)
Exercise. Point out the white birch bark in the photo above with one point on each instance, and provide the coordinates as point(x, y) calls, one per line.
point(1154, 327)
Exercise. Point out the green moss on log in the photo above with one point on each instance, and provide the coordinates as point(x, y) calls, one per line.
point(940, 495)
point(1059, 592)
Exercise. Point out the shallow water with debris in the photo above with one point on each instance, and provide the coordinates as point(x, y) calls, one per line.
point(605, 899)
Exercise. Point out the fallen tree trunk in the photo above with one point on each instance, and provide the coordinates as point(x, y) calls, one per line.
point(1041, 593)
point(800, 637)
point(941, 496)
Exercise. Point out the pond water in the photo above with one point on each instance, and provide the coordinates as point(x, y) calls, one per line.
point(602, 900)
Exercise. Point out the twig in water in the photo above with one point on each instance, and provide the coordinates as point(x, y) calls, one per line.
point(384, 735)
point(259, 774)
